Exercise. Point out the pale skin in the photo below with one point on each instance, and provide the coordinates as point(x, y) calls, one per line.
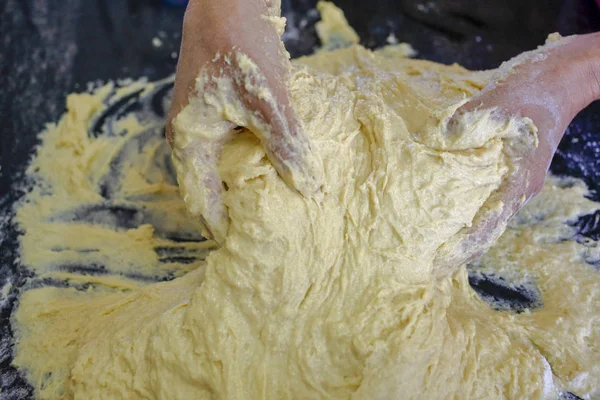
point(550, 92)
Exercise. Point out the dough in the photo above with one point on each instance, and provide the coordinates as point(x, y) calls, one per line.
point(335, 297)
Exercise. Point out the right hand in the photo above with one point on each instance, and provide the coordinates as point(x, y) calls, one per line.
point(549, 86)
point(215, 33)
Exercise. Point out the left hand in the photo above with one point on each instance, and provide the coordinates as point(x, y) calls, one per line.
point(220, 38)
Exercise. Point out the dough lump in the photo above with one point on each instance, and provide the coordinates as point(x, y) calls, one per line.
point(334, 297)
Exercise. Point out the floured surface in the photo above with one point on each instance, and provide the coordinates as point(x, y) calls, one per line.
point(335, 298)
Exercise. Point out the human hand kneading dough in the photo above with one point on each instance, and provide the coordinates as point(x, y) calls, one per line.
point(549, 86)
point(219, 37)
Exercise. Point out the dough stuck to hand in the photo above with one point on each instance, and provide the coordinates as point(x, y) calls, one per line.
point(307, 298)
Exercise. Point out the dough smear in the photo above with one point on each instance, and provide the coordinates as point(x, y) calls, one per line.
point(307, 298)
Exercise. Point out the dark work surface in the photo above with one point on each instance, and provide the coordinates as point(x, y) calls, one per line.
point(49, 48)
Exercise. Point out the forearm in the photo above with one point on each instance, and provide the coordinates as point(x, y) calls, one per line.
point(582, 77)
point(225, 11)
point(593, 68)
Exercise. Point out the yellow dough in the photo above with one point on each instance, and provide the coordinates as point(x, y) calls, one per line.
point(308, 298)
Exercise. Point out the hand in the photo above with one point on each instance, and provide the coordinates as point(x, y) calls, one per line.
point(237, 40)
point(549, 86)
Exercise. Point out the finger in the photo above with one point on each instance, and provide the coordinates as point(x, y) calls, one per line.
point(488, 224)
point(279, 129)
point(201, 129)
point(262, 70)
point(191, 57)
point(201, 186)
point(290, 151)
